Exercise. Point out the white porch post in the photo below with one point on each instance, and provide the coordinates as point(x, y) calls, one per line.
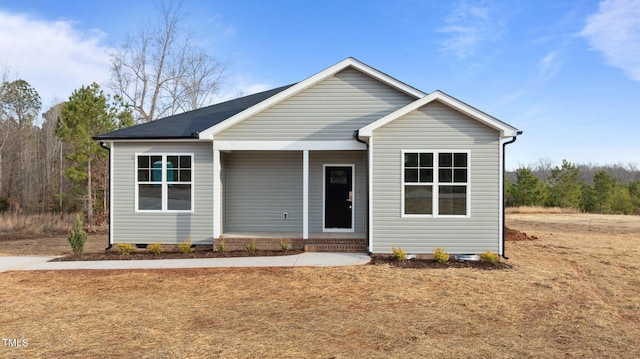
point(305, 194)
point(217, 195)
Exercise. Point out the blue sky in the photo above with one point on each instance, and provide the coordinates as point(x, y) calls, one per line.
point(567, 73)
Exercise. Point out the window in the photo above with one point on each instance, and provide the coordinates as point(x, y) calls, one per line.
point(435, 183)
point(164, 182)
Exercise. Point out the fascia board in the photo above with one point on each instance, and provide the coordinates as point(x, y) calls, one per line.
point(505, 129)
point(381, 76)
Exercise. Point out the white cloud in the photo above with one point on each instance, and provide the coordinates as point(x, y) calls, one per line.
point(548, 67)
point(239, 87)
point(52, 56)
point(469, 26)
point(615, 31)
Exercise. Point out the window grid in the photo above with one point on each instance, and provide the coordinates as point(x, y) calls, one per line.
point(164, 182)
point(435, 183)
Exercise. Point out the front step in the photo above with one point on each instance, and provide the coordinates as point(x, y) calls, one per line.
point(354, 245)
point(335, 247)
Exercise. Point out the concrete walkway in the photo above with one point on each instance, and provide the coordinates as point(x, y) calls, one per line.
point(306, 259)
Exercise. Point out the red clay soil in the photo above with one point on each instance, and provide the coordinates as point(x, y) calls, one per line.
point(432, 264)
point(516, 235)
point(510, 235)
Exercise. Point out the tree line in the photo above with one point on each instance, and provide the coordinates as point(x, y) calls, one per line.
point(613, 189)
point(55, 165)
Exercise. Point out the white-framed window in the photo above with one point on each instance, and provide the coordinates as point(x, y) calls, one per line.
point(435, 183)
point(164, 182)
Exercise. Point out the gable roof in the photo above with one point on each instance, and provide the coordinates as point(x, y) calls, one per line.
point(349, 62)
point(189, 124)
point(205, 122)
point(504, 129)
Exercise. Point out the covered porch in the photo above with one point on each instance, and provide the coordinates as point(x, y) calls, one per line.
point(309, 194)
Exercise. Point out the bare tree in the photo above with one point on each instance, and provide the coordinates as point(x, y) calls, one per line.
point(52, 161)
point(199, 81)
point(4, 130)
point(20, 106)
point(543, 168)
point(160, 72)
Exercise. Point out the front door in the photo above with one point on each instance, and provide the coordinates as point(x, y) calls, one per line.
point(338, 198)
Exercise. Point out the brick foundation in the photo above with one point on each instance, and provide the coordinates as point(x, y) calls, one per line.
point(358, 245)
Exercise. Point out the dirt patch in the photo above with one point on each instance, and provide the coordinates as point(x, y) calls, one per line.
point(544, 224)
point(516, 235)
point(432, 264)
point(204, 252)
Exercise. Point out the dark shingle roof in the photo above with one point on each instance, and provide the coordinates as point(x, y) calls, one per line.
point(189, 124)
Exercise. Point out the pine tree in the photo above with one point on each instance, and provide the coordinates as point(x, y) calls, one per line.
point(566, 190)
point(529, 190)
point(88, 112)
point(603, 187)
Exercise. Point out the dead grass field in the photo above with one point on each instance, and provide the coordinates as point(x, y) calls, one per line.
point(573, 293)
point(48, 245)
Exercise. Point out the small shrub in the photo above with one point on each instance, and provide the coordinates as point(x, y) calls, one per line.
point(77, 237)
point(155, 248)
point(284, 244)
point(251, 246)
point(489, 257)
point(4, 205)
point(185, 247)
point(222, 246)
point(440, 256)
point(126, 248)
point(399, 254)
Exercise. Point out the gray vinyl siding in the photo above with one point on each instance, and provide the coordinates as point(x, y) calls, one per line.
point(129, 226)
point(259, 186)
point(317, 160)
point(329, 110)
point(436, 127)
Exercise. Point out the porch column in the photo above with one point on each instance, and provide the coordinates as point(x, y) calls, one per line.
point(305, 194)
point(217, 195)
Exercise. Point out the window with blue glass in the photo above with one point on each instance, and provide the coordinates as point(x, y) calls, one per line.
point(164, 182)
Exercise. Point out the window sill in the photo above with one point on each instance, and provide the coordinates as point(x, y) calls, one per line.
point(435, 216)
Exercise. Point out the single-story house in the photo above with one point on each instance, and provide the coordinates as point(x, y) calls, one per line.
point(349, 156)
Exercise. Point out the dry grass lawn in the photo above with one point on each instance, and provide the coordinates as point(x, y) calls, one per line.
point(573, 293)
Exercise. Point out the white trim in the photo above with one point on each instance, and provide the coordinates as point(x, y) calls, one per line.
point(370, 194)
point(300, 86)
point(156, 140)
point(163, 182)
point(305, 194)
point(111, 165)
point(500, 199)
point(353, 197)
point(435, 210)
point(217, 194)
point(347, 145)
point(505, 130)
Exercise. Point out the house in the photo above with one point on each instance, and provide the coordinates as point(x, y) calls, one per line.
point(348, 154)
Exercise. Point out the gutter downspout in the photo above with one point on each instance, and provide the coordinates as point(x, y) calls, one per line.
point(108, 149)
point(356, 136)
point(504, 178)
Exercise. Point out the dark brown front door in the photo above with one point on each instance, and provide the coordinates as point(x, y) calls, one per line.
point(338, 198)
